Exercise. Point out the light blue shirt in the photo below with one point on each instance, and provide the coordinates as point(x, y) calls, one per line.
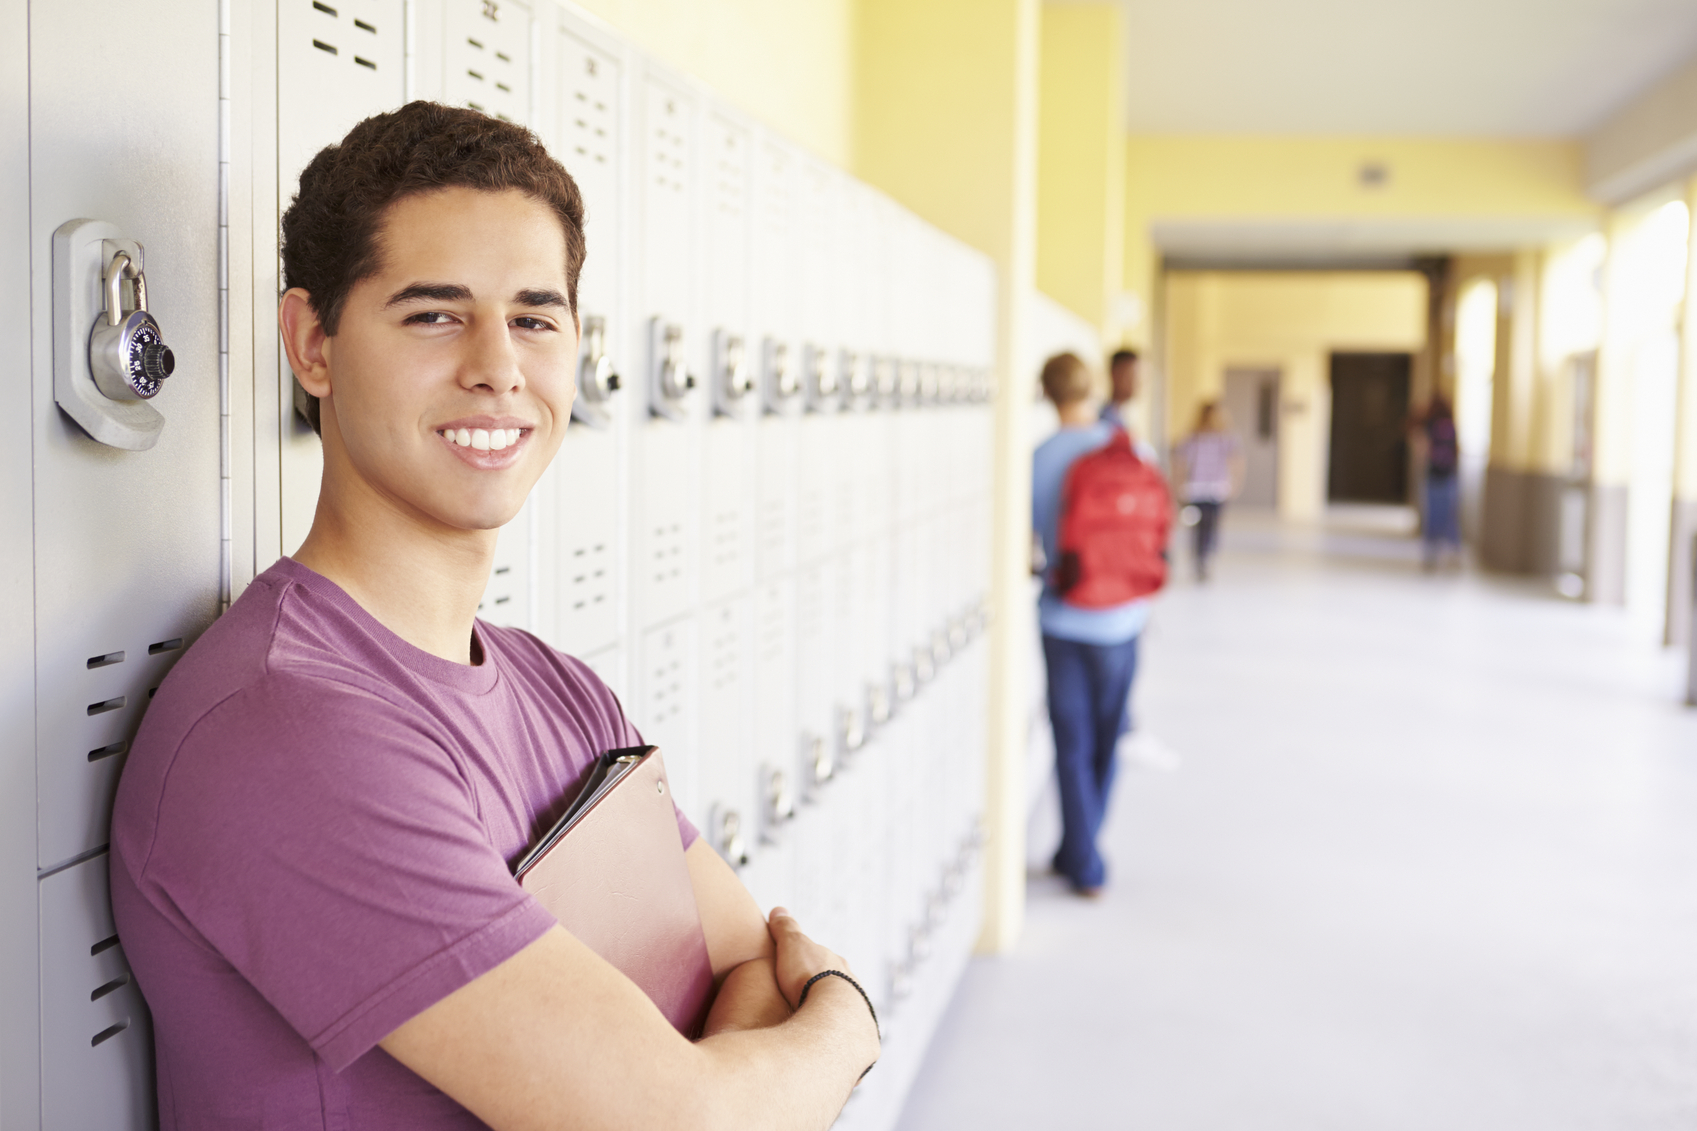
point(1049, 466)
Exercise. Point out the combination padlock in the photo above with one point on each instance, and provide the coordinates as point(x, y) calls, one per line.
point(127, 354)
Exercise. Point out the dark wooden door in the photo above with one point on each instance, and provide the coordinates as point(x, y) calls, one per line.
point(1369, 456)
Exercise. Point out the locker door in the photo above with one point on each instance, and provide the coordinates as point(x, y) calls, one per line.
point(587, 482)
point(726, 772)
point(773, 728)
point(336, 65)
point(585, 578)
point(727, 361)
point(96, 1059)
point(815, 669)
point(665, 446)
point(666, 708)
point(486, 57)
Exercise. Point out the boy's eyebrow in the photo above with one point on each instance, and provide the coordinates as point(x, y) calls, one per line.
point(430, 292)
point(457, 292)
point(540, 296)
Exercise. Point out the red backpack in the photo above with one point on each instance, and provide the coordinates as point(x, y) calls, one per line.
point(1115, 515)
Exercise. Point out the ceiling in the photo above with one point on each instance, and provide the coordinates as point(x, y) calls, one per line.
point(1548, 68)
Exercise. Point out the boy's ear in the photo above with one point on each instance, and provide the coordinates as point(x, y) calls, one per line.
point(305, 341)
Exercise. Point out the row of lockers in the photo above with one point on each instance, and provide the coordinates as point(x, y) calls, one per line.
point(767, 527)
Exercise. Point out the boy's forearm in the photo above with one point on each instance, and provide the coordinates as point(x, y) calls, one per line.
point(748, 998)
point(796, 1074)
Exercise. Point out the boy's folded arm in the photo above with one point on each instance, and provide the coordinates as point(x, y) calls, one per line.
point(556, 1037)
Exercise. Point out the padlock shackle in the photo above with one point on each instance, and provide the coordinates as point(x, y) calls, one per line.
point(115, 272)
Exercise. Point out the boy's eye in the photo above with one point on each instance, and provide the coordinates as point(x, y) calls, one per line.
point(428, 318)
point(527, 323)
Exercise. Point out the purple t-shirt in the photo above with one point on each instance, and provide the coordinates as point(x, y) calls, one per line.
point(311, 845)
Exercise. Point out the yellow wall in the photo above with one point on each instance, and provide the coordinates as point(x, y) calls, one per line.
point(1291, 321)
point(1307, 179)
point(787, 63)
point(1081, 162)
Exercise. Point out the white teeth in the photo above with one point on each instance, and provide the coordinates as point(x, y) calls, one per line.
point(463, 438)
point(513, 435)
point(480, 439)
point(497, 439)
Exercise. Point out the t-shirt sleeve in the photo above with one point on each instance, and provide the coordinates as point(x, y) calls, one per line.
point(324, 842)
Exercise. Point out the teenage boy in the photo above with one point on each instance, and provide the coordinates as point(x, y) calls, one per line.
point(312, 837)
point(1122, 386)
point(1090, 655)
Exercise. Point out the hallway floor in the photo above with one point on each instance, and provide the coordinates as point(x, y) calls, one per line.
point(1427, 862)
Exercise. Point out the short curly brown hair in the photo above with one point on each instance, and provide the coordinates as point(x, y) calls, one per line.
point(331, 226)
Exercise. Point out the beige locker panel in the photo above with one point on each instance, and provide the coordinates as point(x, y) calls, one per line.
point(336, 65)
point(727, 518)
point(90, 709)
point(775, 496)
point(817, 459)
point(726, 773)
point(96, 1052)
point(663, 564)
point(665, 714)
point(774, 696)
point(486, 57)
point(125, 543)
point(585, 569)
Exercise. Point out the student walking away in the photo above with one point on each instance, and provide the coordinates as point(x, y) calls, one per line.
point(1441, 528)
point(1210, 465)
point(313, 839)
point(1102, 513)
point(1122, 387)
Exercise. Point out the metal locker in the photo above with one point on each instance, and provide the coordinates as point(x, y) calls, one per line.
point(336, 65)
point(726, 773)
point(817, 745)
point(727, 362)
point(773, 731)
point(96, 1052)
point(664, 447)
point(818, 457)
point(666, 707)
point(585, 560)
point(584, 494)
point(486, 57)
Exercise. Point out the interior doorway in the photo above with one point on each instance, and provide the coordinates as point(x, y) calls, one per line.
point(1252, 405)
point(1369, 441)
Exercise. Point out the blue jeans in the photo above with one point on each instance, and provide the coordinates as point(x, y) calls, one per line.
point(1443, 511)
point(1089, 686)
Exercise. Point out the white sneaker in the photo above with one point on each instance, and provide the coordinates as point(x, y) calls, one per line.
point(1142, 749)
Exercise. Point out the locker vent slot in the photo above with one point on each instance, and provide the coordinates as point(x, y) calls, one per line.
point(115, 984)
point(103, 946)
point(103, 752)
point(502, 600)
point(365, 62)
point(363, 26)
point(170, 645)
point(108, 1033)
point(474, 43)
point(325, 8)
point(499, 570)
point(106, 661)
point(106, 705)
point(322, 46)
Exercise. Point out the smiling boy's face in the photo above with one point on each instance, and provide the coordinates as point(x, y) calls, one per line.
point(451, 374)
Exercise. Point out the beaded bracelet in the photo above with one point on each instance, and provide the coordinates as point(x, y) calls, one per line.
point(838, 973)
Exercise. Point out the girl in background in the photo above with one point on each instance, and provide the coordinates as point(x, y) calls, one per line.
point(1210, 471)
